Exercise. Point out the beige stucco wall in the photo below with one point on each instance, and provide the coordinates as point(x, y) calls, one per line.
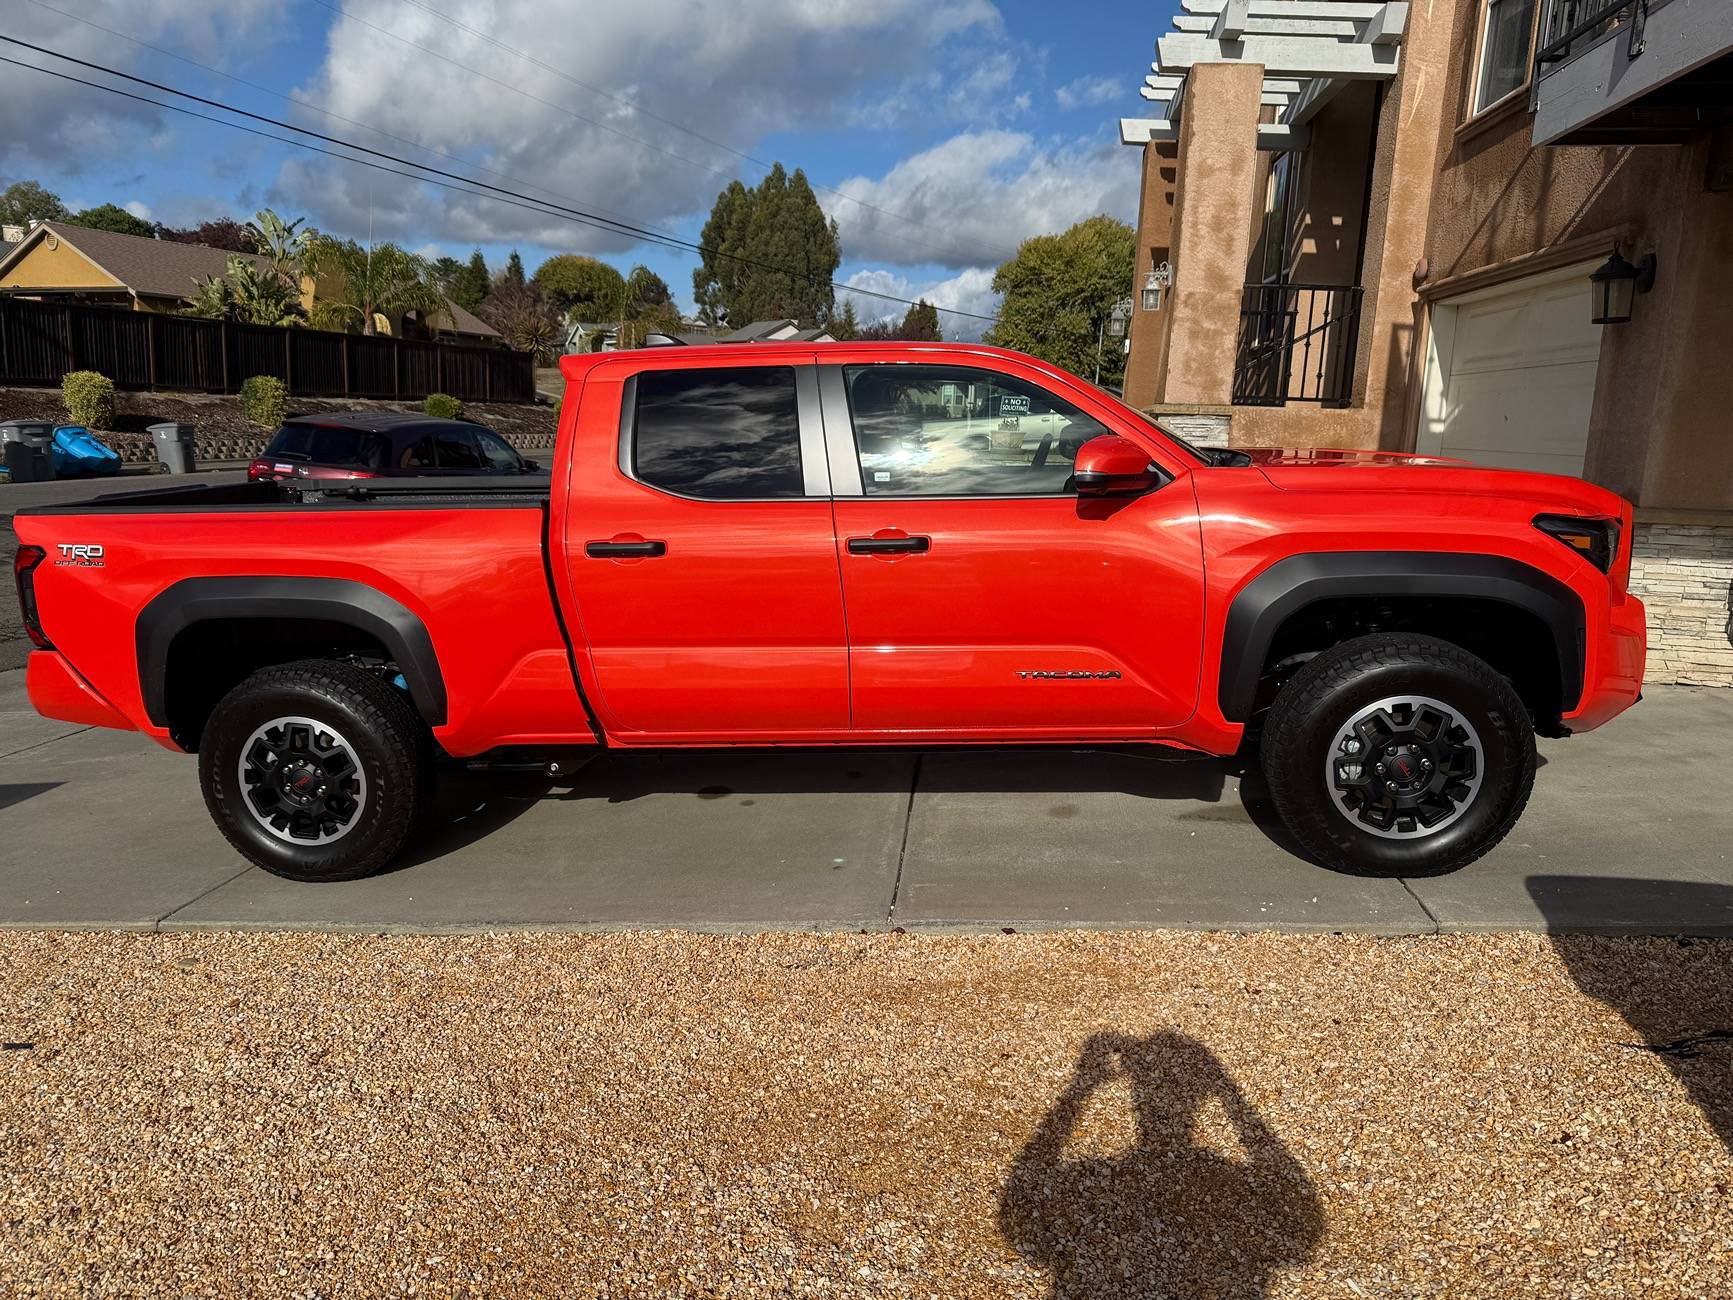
point(1147, 358)
point(1212, 228)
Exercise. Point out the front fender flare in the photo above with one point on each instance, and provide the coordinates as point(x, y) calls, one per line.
point(332, 600)
point(1288, 586)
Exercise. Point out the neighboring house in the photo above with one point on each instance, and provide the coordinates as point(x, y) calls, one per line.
point(57, 262)
point(588, 336)
point(1379, 225)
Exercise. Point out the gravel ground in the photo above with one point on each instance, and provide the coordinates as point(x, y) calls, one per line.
point(669, 1114)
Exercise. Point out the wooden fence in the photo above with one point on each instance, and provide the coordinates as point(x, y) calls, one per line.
point(40, 342)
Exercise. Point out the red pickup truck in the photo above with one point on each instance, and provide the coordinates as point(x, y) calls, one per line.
point(873, 544)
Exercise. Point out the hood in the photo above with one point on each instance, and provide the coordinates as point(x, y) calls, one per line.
point(1341, 458)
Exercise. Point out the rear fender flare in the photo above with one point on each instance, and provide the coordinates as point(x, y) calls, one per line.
point(331, 600)
point(1288, 586)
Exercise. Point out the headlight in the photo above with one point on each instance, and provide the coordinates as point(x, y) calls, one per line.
point(1596, 540)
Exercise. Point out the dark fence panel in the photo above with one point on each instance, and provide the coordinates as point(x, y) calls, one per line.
point(41, 342)
point(1296, 344)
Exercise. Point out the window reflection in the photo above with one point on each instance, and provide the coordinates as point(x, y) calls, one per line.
point(725, 434)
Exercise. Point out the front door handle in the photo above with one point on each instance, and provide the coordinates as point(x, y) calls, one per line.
point(889, 545)
point(624, 550)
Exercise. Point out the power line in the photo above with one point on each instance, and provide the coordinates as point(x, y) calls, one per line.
point(627, 102)
point(464, 184)
point(309, 105)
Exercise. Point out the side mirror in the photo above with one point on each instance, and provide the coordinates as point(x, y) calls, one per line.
point(1111, 466)
point(532, 467)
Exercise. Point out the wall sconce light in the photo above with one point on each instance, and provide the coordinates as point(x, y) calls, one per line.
point(1154, 284)
point(1615, 285)
point(1119, 319)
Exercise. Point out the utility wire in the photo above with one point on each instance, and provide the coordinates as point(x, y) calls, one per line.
point(627, 102)
point(463, 184)
point(312, 107)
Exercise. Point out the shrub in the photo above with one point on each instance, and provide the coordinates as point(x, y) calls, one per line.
point(265, 400)
point(441, 406)
point(89, 399)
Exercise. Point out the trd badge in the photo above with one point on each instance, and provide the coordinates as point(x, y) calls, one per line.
point(79, 557)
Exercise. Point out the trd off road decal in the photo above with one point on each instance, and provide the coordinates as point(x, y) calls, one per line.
point(79, 556)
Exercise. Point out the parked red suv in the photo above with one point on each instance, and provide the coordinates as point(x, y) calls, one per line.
point(850, 544)
point(384, 444)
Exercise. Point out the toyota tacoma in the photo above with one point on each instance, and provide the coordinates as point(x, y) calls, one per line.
point(848, 545)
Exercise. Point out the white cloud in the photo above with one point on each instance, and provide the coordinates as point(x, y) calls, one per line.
point(971, 291)
point(734, 72)
point(47, 121)
point(138, 209)
point(970, 201)
point(1088, 92)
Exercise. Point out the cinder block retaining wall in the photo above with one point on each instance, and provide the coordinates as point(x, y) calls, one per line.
point(1683, 573)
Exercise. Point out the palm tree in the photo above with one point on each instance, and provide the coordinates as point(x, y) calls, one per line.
point(282, 244)
point(248, 295)
point(362, 285)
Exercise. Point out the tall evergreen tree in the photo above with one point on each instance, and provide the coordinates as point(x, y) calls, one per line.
point(921, 324)
point(769, 253)
point(845, 325)
point(513, 275)
point(468, 288)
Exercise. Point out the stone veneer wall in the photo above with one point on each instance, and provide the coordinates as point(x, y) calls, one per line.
point(1683, 574)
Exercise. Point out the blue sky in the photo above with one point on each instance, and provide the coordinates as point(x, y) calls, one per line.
point(939, 133)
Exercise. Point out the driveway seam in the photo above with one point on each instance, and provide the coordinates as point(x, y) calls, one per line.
point(53, 740)
point(903, 850)
point(1437, 925)
point(203, 893)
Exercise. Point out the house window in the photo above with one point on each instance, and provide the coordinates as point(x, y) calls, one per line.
point(1504, 51)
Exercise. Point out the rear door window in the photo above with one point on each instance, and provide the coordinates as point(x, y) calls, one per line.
point(723, 434)
point(419, 454)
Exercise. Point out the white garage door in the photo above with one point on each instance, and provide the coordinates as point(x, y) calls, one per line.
point(1511, 375)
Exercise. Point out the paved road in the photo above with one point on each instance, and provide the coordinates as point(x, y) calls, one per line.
point(14, 646)
point(1628, 826)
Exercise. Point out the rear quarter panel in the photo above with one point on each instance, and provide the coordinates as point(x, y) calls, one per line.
point(474, 576)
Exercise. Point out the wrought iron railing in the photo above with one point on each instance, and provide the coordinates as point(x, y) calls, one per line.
point(1569, 26)
point(1297, 344)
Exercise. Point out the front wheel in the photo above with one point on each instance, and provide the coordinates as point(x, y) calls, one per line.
point(1398, 755)
point(315, 770)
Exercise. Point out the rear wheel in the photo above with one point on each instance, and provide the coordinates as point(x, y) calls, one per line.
point(1398, 755)
point(315, 770)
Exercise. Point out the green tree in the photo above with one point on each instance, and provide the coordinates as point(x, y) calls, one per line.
point(357, 285)
point(1058, 292)
point(645, 291)
point(23, 202)
point(845, 325)
point(581, 287)
point(524, 318)
point(113, 217)
point(446, 270)
point(514, 270)
point(769, 253)
point(468, 288)
point(921, 324)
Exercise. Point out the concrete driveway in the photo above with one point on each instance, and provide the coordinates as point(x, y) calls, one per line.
point(1627, 826)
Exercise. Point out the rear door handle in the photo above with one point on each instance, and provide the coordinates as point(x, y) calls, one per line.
point(889, 545)
point(624, 550)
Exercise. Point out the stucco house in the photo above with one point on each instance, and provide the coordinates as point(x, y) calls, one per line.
point(1494, 229)
point(57, 262)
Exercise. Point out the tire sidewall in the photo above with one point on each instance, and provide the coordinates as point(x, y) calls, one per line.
point(384, 816)
point(1507, 755)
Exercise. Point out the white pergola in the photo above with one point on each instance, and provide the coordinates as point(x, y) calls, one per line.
point(1309, 50)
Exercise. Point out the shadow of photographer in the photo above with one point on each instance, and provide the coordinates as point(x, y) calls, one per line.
point(1169, 1215)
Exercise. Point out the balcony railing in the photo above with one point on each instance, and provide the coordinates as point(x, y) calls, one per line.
point(1297, 344)
point(1573, 25)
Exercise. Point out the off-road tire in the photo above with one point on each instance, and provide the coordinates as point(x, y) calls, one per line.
point(1300, 734)
point(391, 746)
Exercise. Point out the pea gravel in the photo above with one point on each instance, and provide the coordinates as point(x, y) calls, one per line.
point(1184, 1115)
